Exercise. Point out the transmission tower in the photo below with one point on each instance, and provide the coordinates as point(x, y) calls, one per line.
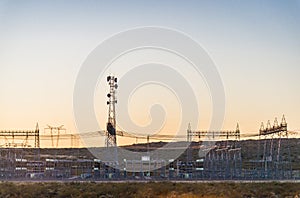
point(111, 139)
point(55, 132)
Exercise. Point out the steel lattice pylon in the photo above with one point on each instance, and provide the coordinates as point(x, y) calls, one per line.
point(111, 139)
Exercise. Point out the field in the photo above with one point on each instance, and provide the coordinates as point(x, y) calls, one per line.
point(151, 189)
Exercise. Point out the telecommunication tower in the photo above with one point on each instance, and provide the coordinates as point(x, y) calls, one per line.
point(111, 139)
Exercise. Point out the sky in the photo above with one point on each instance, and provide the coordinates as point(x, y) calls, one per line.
point(254, 44)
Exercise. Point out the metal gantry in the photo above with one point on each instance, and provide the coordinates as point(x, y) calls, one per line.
point(213, 135)
point(220, 161)
point(24, 135)
point(272, 163)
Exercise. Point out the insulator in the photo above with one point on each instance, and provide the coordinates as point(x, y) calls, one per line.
point(116, 80)
point(275, 123)
point(116, 86)
point(108, 78)
point(108, 95)
point(283, 121)
point(107, 102)
point(262, 127)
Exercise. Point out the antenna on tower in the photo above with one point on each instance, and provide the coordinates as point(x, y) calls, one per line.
point(111, 137)
point(111, 140)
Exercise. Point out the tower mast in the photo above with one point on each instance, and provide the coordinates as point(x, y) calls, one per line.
point(111, 139)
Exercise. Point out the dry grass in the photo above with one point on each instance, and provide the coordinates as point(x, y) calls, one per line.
point(149, 190)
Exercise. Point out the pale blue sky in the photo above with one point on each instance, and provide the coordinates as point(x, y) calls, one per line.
point(255, 45)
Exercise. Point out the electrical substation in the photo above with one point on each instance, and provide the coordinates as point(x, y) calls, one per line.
point(22, 157)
